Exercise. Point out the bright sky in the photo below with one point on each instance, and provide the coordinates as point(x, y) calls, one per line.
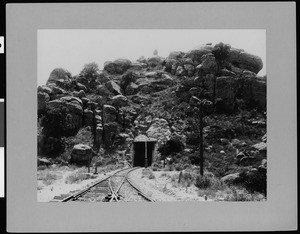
point(71, 49)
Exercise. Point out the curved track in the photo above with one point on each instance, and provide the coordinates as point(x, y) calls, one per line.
point(114, 188)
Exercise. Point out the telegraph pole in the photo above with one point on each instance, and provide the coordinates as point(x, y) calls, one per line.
point(201, 140)
point(200, 116)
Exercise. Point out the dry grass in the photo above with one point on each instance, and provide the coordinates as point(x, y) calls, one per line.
point(78, 176)
point(147, 173)
point(48, 177)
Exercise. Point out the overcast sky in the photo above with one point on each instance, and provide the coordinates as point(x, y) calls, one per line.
point(71, 49)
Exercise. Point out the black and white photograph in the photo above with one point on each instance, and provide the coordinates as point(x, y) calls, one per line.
point(151, 115)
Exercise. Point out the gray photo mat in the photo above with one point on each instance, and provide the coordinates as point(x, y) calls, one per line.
point(25, 214)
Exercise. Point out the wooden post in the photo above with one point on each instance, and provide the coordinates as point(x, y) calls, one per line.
point(201, 140)
point(89, 164)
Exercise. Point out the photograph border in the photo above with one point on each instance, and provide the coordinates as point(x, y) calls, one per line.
point(25, 214)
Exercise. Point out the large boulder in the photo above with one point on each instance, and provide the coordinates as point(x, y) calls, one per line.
point(131, 89)
point(45, 89)
point(119, 101)
point(110, 113)
point(254, 92)
point(88, 117)
point(230, 179)
point(63, 117)
point(196, 54)
point(241, 59)
point(208, 64)
point(155, 62)
point(111, 131)
point(60, 77)
point(118, 66)
point(103, 90)
point(127, 78)
point(81, 154)
point(113, 87)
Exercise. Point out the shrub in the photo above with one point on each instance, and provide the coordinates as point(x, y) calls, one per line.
point(178, 167)
point(221, 51)
point(90, 71)
point(254, 181)
point(238, 194)
point(203, 182)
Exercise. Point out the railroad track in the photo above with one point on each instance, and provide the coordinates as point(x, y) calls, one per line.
point(114, 188)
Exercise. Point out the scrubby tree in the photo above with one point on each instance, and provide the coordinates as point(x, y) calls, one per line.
point(90, 71)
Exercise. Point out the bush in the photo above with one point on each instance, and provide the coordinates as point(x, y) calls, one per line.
point(203, 182)
point(179, 167)
point(254, 180)
point(90, 71)
point(238, 194)
point(221, 51)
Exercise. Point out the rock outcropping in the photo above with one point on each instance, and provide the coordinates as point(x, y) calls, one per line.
point(114, 101)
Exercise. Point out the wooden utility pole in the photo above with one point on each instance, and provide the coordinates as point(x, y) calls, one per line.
point(199, 111)
point(201, 140)
point(89, 164)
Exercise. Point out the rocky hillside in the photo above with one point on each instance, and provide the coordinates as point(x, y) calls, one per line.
point(100, 112)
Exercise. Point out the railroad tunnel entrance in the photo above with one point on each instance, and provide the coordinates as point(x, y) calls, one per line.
point(143, 150)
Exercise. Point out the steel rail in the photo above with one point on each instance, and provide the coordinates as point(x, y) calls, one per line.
point(84, 191)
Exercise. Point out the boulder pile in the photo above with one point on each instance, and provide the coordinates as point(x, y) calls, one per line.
point(113, 102)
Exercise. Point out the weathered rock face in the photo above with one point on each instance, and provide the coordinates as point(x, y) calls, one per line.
point(119, 101)
point(127, 78)
point(43, 98)
point(225, 76)
point(196, 54)
point(111, 131)
point(80, 87)
point(131, 89)
point(118, 66)
point(110, 113)
point(81, 154)
point(88, 117)
point(159, 130)
point(60, 77)
point(154, 83)
point(241, 59)
point(155, 62)
point(63, 117)
point(208, 64)
point(103, 90)
point(231, 178)
point(254, 92)
point(113, 87)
